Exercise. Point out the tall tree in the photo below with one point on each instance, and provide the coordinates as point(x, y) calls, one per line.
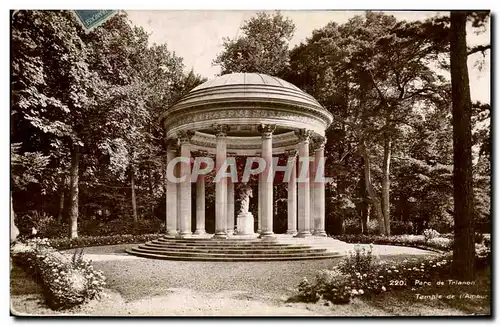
point(464, 249)
point(263, 48)
point(373, 74)
point(54, 88)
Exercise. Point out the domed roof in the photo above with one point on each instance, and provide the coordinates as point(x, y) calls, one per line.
point(244, 101)
point(245, 78)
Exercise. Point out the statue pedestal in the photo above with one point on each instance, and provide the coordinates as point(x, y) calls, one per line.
point(244, 223)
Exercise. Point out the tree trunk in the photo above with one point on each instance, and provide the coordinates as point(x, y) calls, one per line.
point(369, 188)
point(61, 206)
point(73, 190)
point(464, 249)
point(14, 231)
point(151, 192)
point(362, 207)
point(386, 184)
point(134, 203)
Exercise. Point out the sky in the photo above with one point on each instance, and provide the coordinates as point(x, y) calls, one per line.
point(197, 35)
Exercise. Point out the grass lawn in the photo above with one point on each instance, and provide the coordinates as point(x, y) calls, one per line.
point(160, 287)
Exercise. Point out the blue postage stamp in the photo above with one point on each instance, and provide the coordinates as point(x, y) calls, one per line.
point(90, 19)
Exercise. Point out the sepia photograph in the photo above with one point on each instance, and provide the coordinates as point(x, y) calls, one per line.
point(243, 163)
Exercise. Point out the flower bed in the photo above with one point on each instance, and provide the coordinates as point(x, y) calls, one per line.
point(66, 282)
point(418, 241)
point(361, 273)
point(88, 241)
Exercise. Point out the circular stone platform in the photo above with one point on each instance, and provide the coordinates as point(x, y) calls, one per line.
point(241, 248)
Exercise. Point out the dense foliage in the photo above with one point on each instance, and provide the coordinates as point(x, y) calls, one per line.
point(86, 146)
point(66, 282)
point(361, 273)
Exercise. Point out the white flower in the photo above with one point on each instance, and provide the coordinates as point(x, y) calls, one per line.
point(388, 271)
point(383, 288)
point(364, 275)
point(361, 291)
point(354, 292)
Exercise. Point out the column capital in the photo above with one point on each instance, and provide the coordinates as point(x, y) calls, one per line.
point(266, 130)
point(171, 143)
point(320, 142)
point(185, 136)
point(202, 152)
point(221, 130)
point(291, 153)
point(303, 134)
point(317, 143)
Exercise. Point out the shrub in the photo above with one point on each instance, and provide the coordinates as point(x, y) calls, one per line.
point(401, 227)
point(87, 241)
point(308, 292)
point(44, 224)
point(96, 227)
point(333, 286)
point(443, 224)
point(360, 260)
point(397, 240)
point(67, 283)
point(440, 243)
point(430, 234)
point(329, 285)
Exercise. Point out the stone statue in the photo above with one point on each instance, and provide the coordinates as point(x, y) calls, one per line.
point(245, 195)
point(244, 220)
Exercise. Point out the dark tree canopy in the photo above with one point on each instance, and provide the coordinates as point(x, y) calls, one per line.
point(263, 48)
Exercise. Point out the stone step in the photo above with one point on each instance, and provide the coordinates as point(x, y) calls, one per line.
point(219, 243)
point(205, 254)
point(230, 250)
point(223, 246)
point(232, 258)
point(232, 240)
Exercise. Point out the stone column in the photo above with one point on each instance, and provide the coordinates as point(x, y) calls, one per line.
point(185, 186)
point(267, 182)
point(313, 214)
point(200, 202)
point(292, 194)
point(319, 189)
point(171, 187)
point(259, 203)
point(220, 186)
point(303, 201)
point(230, 207)
point(178, 187)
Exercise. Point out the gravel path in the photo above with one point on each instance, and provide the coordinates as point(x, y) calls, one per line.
point(141, 286)
point(136, 278)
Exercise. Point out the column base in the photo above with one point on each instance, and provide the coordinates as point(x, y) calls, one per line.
point(172, 233)
point(303, 234)
point(230, 232)
point(267, 235)
point(220, 235)
point(293, 232)
point(185, 234)
point(200, 232)
point(320, 233)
